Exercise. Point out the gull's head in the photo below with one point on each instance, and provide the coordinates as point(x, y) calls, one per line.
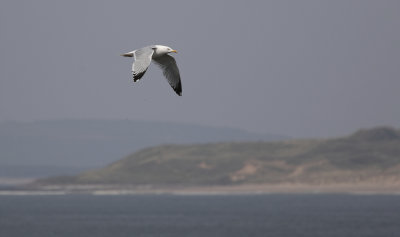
point(161, 49)
point(172, 50)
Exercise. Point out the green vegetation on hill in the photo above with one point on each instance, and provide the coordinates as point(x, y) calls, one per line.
point(365, 156)
point(96, 143)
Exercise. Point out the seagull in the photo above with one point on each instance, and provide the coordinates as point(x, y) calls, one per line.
point(160, 55)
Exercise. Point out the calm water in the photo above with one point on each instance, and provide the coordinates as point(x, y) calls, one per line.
point(169, 215)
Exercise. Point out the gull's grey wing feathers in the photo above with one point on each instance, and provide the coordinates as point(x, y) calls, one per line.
point(170, 71)
point(142, 62)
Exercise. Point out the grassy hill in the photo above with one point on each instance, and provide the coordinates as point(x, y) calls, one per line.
point(365, 156)
point(96, 143)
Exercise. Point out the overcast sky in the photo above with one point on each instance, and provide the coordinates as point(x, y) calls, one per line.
point(298, 68)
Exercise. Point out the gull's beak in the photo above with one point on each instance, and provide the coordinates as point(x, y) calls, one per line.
point(174, 51)
point(130, 54)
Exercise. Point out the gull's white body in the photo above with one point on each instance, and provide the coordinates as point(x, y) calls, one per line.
point(158, 54)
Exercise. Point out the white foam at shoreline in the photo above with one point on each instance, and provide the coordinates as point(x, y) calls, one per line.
point(30, 193)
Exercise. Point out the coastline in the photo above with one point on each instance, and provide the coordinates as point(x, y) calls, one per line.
point(245, 189)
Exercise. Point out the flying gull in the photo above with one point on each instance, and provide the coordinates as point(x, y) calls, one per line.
point(159, 54)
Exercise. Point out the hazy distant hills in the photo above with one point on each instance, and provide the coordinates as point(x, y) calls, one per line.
point(95, 143)
point(366, 156)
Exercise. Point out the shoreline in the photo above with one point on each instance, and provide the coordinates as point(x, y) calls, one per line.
point(247, 189)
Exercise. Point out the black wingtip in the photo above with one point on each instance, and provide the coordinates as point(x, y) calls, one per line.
point(137, 76)
point(178, 90)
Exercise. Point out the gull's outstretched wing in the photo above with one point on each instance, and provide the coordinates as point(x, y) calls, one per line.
point(142, 62)
point(170, 71)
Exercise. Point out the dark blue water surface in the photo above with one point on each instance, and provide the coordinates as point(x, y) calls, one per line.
point(171, 215)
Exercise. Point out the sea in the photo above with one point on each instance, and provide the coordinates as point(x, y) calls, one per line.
point(280, 215)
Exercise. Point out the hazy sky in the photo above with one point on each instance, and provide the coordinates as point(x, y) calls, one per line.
point(299, 68)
